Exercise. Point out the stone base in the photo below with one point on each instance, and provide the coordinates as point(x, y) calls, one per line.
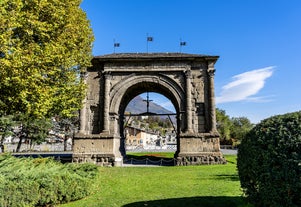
point(101, 149)
point(105, 160)
point(200, 159)
point(199, 149)
point(105, 150)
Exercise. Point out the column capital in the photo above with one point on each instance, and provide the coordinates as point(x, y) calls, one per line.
point(107, 75)
point(211, 72)
point(188, 73)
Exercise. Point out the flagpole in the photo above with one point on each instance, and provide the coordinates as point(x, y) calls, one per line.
point(146, 42)
point(148, 39)
point(116, 44)
point(182, 44)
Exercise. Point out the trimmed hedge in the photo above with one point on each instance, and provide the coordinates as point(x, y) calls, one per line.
point(43, 181)
point(269, 162)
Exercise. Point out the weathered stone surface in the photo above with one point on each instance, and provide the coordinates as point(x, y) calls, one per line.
point(114, 80)
point(201, 159)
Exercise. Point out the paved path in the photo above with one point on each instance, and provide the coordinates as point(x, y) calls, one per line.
point(229, 151)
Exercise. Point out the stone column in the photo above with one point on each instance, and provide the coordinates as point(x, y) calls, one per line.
point(106, 115)
point(82, 129)
point(188, 101)
point(211, 72)
point(82, 113)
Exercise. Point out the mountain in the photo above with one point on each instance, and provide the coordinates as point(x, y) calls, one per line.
point(138, 106)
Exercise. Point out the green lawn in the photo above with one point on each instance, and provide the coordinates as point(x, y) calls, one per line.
point(190, 186)
point(150, 154)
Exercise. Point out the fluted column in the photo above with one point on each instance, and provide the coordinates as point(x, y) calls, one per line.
point(211, 72)
point(188, 101)
point(106, 114)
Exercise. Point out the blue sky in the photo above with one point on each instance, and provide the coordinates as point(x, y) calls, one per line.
point(258, 73)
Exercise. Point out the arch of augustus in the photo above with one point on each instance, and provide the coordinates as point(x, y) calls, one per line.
point(115, 79)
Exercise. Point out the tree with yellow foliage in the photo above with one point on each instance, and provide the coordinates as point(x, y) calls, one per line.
point(45, 46)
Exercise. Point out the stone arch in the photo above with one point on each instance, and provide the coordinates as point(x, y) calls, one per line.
point(128, 88)
point(115, 79)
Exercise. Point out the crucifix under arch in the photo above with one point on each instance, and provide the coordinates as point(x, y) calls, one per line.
point(147, 102)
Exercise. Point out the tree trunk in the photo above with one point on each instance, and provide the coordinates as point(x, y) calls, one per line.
point(2, 146)
point(65, 142)
point(19, 144)
point(31, 145)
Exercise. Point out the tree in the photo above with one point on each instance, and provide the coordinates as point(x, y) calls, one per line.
point(240, 127)
point(268, 161)
point(32, 130)
point(223, 125)
point(6, 129)
point(231, 130)
point(66, 126)
point(45, 46)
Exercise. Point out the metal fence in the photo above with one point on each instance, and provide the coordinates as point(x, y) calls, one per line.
point(170, 148)
point(150, 162)
point(55, 147)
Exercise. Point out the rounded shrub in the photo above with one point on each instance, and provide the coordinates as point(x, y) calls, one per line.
point(269, 162)
point(43, 181)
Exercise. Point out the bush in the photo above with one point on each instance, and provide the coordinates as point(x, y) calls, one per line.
point(42, 181)
point(269, 162)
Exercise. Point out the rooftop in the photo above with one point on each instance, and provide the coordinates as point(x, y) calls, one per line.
point(145, 56)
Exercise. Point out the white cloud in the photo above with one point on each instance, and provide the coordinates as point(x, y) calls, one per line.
point(245, 85)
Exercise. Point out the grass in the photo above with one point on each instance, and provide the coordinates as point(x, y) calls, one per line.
point(153, 155)
point(189, 186)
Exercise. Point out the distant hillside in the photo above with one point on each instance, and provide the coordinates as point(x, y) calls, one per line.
point(138, 106)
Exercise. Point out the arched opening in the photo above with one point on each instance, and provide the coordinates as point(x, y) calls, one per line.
point(150, 127)
point(149, 121)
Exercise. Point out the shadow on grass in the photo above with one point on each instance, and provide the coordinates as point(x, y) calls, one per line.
point(229, 161)
point(233, 177)
point(204, 201)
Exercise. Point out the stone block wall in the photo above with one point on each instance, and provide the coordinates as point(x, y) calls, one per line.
point(113, 80)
